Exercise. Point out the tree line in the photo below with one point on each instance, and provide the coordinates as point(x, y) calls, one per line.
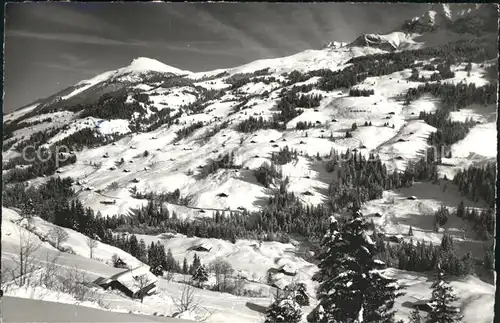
point(477, 183)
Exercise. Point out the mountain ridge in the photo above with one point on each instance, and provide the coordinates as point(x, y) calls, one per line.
point(406, 37)
point(187, 111)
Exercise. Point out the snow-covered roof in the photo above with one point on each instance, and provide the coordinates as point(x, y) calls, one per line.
point(280, 283)
point(288, 269)
point(202, 245)
point(135, 279)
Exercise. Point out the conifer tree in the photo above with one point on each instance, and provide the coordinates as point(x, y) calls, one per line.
point(300, 295)
point(442, 297)
point(446, 243)
point(350, 287)
point(196, 263)
point(285, 310)
point(200, 275)
point(170, 261)
point(143, 251)
point(415, 316)
point(155, 259)
point(134, 246)
point(410, 232)
point(317, 315)
point(185, 267)
point(461, 209)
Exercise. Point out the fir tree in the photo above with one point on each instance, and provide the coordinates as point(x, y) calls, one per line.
point(142, 251)
point(285, 310)
point(410, 232)
point(200, 275)
point(442, 297)
point(301, 296)
point(350, 287)
point(170, 261)
point(446, 243)
point(134, 246)
point(185, 267)
point(196, 263)
point(317, 315)
point(156, 258)
point(415, 316)
point(461, 209)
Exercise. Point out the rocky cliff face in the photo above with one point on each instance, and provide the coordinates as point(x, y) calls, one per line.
point(462, 18)
point(373, 40)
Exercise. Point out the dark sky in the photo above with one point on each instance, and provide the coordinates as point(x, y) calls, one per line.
point(49, 46)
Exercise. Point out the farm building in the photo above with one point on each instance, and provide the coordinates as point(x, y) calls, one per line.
point(108, 202)
point(286, 269)
point(201, 247)
point(135, 283)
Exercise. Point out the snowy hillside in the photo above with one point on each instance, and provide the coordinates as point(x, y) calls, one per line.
point(15, 228)
point(163, 163)
point(248, 164)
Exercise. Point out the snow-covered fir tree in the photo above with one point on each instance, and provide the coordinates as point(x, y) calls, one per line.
point(442, 297)
point(415, 316)
point(156, 258)
point(317, 314)
point(300, 295)
point(185, 267)
point(196, 263)
point(284, 310)
point(200, 275)
point(351, 289)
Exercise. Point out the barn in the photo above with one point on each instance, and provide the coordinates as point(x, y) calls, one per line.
point(135, 283)
point(203, 247)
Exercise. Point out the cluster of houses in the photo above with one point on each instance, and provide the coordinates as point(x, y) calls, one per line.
point(139, 282)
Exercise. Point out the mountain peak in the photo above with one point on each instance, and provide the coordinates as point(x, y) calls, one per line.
point(334, 45)
point(464, 17)
point(145, 64)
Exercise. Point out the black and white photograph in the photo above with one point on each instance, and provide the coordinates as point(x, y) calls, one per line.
point(249, 162)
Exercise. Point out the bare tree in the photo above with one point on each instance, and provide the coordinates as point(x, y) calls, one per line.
point(169, 275)
point(25, 260)
point(92, 244)
point(187, 301)
point(222, 269)
point(74, 284)
point(239, 284)
point(141, 282)
point(58, 235)
point(48, 277)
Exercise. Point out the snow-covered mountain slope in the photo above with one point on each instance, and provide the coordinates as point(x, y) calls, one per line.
point(141, 70)
point(156, 161)
point(198, 143)
point(139, 66)
point(15, 228)
point(150, 127)
point(250, 259)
